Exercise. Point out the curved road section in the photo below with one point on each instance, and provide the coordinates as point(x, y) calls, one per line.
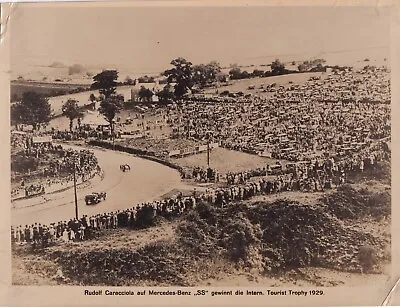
point(146, 181)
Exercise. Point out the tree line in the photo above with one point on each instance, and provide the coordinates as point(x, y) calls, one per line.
point(183, 78)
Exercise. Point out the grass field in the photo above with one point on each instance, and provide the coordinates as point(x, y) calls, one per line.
point(50, 89)
point(225, 160)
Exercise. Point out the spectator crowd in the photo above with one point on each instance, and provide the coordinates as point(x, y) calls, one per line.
point(341, 113)
point(311, 177)
point(324, 131)
point(37, 165)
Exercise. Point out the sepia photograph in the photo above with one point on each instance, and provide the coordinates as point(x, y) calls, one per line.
point(173, 146)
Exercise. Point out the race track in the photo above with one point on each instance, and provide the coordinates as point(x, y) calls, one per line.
point(146, 181)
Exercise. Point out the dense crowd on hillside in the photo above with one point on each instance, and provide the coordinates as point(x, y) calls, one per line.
point(330, 168)
point(52, 164)
point(335, 115)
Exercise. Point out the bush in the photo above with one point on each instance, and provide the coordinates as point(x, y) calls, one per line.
point(207, 212)
point(284, 234)
point(273, 258)
point(156, 262)
point(271, 236)
point(349, 203)
point(197, 237)
point(236, 238)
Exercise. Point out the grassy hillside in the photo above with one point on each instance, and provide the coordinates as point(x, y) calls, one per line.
point(49, 89)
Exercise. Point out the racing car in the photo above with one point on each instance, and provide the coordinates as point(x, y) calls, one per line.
point(95, 198)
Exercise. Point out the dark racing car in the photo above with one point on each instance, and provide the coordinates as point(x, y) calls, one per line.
point(95, 198)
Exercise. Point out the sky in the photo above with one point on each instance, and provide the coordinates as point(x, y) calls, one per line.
point(146, 39)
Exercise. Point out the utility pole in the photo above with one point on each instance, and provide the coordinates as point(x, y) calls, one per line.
point(208, 148)
point(113, 134)
point(75, 194)
point(113, 141)
point(208, 153)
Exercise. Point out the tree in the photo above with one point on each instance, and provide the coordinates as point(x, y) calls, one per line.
point(222, 77)
point(181, 75)
point(109, 107)
point(258, 73)
point(235, 73)
point(245, 75)
point(70, 109)
point(17, 111)
point(206, 74)
point(320, 67)
point(214, 68)
point(146, 79)
point(105, 82)
point(14, 97)
point(166, 94)
point(200, 75)
point(128, 80)
point(302, 67)
point(277, 67)
point(33, 109)
point(145, 94)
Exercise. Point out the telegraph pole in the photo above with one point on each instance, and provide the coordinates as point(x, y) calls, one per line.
point(208, 148)
point(75, 194)
point(113, 134)
point(208, 153)
point(113, 141)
